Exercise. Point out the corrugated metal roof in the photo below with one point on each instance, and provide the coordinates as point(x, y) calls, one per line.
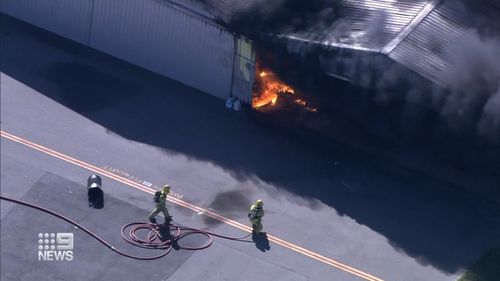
point(225, 9)
point(372, 23)
point(366, 25)
point(424, 49)
point(408, 28)
point(413, 33)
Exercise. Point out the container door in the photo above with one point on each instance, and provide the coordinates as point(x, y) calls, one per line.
point(244, 70)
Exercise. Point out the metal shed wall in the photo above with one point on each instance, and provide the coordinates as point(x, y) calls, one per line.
point(162, 38)
point(160, 35)
point(68, 18)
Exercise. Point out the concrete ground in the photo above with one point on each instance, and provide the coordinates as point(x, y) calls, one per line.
point(354, 209)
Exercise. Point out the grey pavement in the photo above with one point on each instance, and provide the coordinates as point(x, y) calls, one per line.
point(377, 218)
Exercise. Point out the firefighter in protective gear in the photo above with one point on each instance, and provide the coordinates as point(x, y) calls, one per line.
point(160, 198)
point(255, 216)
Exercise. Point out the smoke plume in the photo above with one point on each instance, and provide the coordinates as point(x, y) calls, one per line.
point(469, 105)
point(285, 16)
point(472, 103)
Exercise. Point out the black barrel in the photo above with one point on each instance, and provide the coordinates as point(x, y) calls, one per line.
point(94, 192)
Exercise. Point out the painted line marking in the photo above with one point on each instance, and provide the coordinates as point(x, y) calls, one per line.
point(190, 206)
point(124, 174)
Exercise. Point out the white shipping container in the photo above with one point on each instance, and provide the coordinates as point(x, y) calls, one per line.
point(160, 36)
point(68, 18)
point(167, 40)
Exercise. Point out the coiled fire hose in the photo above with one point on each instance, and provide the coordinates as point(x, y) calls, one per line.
point(154, 239)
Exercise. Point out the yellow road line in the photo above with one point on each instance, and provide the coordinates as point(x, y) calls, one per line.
point(190, 206)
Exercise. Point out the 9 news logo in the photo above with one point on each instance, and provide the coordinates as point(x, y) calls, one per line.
point(55, 246)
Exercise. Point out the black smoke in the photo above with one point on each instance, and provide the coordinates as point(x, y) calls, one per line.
point(468, 106)
point(283, 16)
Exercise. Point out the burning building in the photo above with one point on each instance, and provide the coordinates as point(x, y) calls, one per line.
point(356, 34)
point(403, 50)
point(436, 54)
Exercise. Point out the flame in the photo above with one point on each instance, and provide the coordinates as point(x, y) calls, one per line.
point(264, 99)
point(304, 104)
point(272, 87)
point(268, 88)
point(301, 102)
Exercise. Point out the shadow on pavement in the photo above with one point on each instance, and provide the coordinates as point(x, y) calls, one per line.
point(95, 198)
point(69, 198)
point(261, 241)
point(431, 224)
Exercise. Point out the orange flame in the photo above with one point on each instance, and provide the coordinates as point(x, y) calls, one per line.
point(272, 87)
point(304, 104)
point(268, 88)
point(264, 99)
point(301, 102)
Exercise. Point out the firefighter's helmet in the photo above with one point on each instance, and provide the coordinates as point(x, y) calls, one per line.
point(259, 203)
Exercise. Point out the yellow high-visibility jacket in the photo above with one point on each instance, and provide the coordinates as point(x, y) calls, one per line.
point(256, 213)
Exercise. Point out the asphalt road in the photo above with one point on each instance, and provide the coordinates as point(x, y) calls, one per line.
point(375, 218)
